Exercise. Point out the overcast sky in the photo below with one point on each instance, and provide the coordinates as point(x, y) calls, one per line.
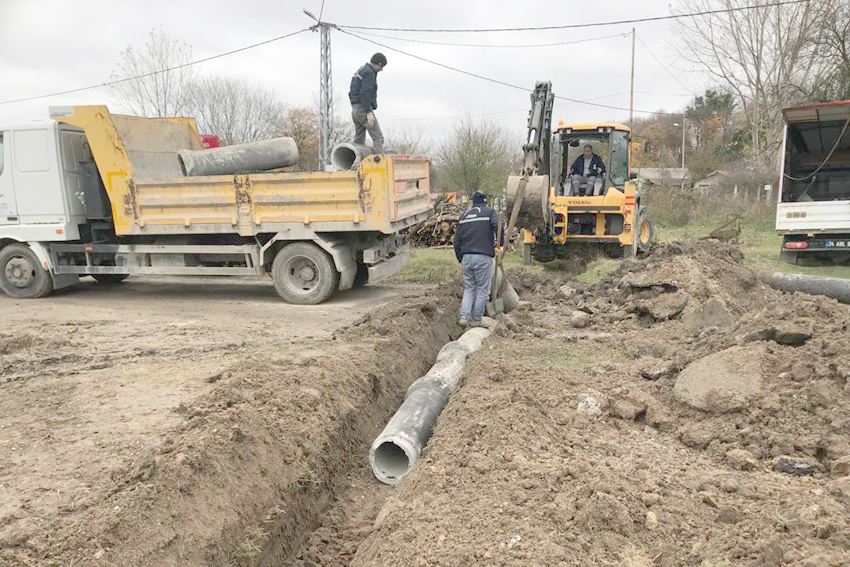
point(54, 45)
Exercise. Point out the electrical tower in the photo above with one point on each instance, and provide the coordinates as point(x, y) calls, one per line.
point(326, 93)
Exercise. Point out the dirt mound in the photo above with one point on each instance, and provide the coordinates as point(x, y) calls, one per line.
point(696, 416)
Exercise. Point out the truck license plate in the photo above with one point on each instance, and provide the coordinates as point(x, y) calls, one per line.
point(836, 244)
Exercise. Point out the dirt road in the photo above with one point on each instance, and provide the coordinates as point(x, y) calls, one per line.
point(97, 378)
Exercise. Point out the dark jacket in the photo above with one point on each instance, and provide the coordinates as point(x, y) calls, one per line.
point(476, 232)
point(595, 166)
point(364, 88)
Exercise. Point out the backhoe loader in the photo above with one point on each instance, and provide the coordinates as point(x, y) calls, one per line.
point(555, 215)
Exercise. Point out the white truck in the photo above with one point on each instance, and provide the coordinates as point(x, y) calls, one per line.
point(813, 213)
point(98, 194)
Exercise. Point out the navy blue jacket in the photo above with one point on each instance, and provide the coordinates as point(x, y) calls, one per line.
point(476, 232)
point(595, 165)
point(364, 88)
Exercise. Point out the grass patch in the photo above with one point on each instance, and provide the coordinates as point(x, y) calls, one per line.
point(598, 270)
point(429, 265)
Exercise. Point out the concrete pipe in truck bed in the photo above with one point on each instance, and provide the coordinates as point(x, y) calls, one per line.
point(240, 158)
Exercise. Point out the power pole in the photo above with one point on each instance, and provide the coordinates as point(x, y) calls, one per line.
point(632, 97)
point(326, 93)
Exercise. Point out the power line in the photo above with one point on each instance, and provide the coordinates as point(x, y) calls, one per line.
point(189, 64)
point(497, 81)
point(494, 113)
point(322, 10)
point(663, 65)
point(491, 45)
point(592, 24)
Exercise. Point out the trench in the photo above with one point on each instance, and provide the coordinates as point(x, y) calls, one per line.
point(322, 520)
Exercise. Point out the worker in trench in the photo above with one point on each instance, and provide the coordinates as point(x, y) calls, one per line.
point(475, 248)
point(363, 95)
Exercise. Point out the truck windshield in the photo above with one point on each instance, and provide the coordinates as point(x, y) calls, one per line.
point(619, 168)
point(807, 146)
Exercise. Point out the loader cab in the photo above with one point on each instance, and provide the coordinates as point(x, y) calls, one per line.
point(610, 142)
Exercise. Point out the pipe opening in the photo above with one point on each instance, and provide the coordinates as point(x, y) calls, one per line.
point(343, 157)
point(391, 461)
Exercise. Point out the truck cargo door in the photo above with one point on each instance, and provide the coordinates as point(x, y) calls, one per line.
point(8, 206)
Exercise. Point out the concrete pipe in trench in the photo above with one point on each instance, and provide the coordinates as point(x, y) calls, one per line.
point(252, 157)
point(815, 285)
point(399, 445)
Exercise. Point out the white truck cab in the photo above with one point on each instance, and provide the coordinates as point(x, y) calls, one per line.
point(41, 164)
point(813, 213)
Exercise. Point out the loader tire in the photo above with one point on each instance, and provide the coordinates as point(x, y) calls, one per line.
point(21, 273)
point(110, 279)
point(304, 274)
point(645, 233)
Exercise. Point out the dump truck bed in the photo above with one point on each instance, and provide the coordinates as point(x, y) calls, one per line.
point(137, 162)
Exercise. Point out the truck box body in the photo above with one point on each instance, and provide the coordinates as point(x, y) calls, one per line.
point(105, 195)
point(813, 212)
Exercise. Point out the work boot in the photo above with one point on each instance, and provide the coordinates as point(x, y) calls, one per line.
point(463, 322)
point(479, 323)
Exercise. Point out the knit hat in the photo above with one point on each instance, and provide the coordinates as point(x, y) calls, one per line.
point(478, 198)
point(379, 59)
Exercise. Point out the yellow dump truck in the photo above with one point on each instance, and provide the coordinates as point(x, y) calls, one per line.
point(93, 193)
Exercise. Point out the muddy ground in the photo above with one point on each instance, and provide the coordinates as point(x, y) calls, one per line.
point(189, 421)
point(677, 413)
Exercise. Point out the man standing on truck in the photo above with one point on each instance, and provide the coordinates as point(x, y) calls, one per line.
point(475, 249)
point(363, 95)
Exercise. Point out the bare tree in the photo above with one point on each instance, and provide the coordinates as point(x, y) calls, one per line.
point(302, 125)
point(407, 139)
point(164, 77)
point(478, 156)
point(233, 110)
point(765, 56)
point(833, 39)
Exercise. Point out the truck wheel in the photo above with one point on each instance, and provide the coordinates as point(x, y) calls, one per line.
point(21, 274)
point(304, 274)
point(110, 279)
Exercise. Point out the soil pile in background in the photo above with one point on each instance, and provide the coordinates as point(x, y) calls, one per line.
point(678, 413)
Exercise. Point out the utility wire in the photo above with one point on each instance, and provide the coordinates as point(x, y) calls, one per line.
point(592, 24)
point(322, 10)
point(497, 81)
point(189, 64)
point(495, 113)
point(491, 45)
point(684, 86)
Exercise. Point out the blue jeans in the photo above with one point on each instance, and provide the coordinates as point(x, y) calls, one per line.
point(477, 274)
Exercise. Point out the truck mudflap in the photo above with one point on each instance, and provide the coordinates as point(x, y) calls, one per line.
point(389, 266)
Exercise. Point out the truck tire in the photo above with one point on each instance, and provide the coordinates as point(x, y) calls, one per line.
point(304, 274)
point(21, 273)
point(110, 279)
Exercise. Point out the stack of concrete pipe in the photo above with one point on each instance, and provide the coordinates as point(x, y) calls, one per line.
point(399, 446)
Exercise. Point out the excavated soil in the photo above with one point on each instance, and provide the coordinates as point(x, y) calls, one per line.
point(202, 432)
point(688, 415)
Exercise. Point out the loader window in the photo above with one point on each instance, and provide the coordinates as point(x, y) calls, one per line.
point(619, 167)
